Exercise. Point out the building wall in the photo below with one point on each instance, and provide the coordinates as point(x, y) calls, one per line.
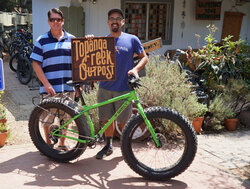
point(193, 26)
point(96, 20)
point(96, 16)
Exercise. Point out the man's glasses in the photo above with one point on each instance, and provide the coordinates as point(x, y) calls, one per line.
point(118, 19)
point(55, 19)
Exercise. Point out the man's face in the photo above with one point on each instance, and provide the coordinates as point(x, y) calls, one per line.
point(55, 22)
point(115, 22)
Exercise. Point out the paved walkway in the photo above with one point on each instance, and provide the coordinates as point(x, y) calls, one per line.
point(218, 163)
point(229, 150)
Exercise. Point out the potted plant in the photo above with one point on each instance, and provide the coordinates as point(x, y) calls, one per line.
point(220, 62)
point(3, 133)
point(235, 95)
point(199, 118)
point(2, 114)
point(230, 120)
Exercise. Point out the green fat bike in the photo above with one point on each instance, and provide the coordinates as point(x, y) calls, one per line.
point(167, 148)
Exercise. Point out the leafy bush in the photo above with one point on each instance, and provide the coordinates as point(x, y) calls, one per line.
point(219, 62)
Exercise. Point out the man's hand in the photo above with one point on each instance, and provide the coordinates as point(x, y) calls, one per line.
point(49, 89)
point(134, 72)
point(89, 37)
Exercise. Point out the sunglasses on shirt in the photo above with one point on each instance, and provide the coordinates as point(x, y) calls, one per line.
point(55, 19)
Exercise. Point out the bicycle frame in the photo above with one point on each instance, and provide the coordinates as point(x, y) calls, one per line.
point(129, 98)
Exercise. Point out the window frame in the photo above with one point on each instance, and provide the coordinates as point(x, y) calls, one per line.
point(171, 14)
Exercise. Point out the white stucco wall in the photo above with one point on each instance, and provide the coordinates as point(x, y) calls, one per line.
point(96, 20)
point(96, 16)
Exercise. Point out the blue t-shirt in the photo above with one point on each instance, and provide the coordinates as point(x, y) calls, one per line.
point(126, 45)
point(55, 59)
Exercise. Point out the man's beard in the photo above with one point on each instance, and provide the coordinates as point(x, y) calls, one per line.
point(115, 29)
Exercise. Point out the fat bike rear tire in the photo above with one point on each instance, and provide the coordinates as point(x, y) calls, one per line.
point(62, 112)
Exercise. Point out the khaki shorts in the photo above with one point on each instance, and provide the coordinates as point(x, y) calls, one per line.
point(107, 111)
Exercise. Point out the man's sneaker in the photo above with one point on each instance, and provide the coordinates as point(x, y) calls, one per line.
point(106, 151)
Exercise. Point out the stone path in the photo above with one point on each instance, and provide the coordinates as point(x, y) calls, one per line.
point(229, 151)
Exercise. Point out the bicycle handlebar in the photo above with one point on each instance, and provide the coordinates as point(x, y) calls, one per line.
point(133, 82)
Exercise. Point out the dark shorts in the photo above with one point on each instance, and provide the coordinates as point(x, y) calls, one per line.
point(107, 111)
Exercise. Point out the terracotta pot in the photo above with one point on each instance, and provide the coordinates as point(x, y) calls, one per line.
point(197, 123)
point(3, 137)
point(230, 124)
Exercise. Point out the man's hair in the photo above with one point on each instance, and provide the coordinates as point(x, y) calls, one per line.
point(55, 10)
point(115, 10)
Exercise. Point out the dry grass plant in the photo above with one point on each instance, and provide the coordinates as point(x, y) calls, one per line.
point(168, 87)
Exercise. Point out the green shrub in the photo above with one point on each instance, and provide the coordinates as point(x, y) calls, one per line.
point(3, 127)
point(2, 107)
point(220, 110)
point(235, 94)
point(91, 99)
point(166, 86)
point(2, 111)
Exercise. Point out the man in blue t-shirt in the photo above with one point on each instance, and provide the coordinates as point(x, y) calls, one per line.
point(126, 45)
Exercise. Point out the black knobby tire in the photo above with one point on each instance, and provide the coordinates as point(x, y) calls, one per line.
point(178, 145)
point(13, 62)
point(79, 129)
point(24, 70)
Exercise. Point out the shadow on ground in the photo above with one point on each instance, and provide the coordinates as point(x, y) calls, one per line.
point(88, 172)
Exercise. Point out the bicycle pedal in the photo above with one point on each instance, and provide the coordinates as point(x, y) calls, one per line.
point(92, 144)
point(100, 140)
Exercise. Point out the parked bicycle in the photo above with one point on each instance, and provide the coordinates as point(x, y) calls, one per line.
point(21, 64)
point(18, 39)
point(167, 151)
point(194, 78)
point(1, 49)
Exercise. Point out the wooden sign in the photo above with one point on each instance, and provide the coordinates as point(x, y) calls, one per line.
point(93, 60)
point(152, 45)
point(208, 10)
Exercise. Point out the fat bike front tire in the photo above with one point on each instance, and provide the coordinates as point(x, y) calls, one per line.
point(178, 144)
point(61, 113)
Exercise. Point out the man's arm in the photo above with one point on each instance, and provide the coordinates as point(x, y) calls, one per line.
point(41, 76)
point(144, 59)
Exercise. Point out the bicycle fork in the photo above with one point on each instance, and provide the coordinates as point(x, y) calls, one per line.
point(150, 127)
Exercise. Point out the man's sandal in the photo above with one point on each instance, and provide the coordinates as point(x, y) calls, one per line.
point(62, 148)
